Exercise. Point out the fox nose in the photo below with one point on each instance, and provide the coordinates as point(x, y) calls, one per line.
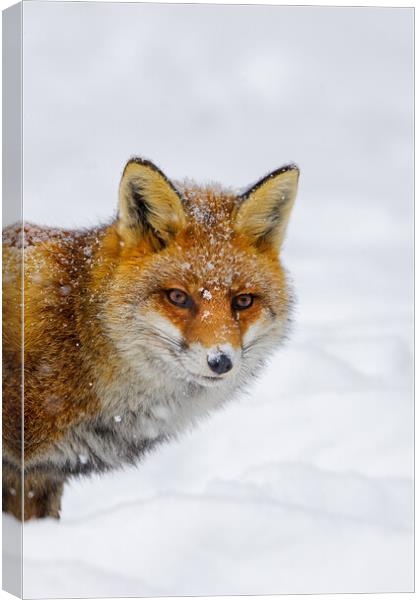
point(219, 363)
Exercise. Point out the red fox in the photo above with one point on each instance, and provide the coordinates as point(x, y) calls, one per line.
point(135, 330)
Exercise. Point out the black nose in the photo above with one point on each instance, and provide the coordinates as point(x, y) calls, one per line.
point(220, 363)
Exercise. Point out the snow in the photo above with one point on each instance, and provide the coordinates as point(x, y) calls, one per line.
point(305, 484)
point(213, 354)
point(228, 350)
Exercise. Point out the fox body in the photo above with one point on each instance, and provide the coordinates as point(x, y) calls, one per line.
point(135, 330)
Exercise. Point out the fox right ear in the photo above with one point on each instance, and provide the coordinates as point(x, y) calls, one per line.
point(150, 208)
point(264, 210)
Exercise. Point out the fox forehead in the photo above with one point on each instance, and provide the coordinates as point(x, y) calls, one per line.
point(210, 206)
point(207, 253)
point(209, 268)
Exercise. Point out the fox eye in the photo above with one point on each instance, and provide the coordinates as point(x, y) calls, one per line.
point(242, 301)
point(179, 298)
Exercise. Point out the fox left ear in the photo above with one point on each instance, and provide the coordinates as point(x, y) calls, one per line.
point(264, 210)
point(150, 208)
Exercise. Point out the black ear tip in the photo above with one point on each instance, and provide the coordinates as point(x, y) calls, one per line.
point(288, 167)
point(138, 160)
point(280, 171)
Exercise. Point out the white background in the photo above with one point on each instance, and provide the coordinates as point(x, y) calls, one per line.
point(305, 485)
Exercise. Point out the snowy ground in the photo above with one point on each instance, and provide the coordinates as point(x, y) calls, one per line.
point(306, 484)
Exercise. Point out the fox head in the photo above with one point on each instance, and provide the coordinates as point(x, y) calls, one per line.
point(198, 292)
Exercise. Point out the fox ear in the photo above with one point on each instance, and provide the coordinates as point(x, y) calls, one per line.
point(150, 208)
point(265, 208)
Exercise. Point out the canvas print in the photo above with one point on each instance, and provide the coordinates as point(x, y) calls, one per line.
point(207, 300)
